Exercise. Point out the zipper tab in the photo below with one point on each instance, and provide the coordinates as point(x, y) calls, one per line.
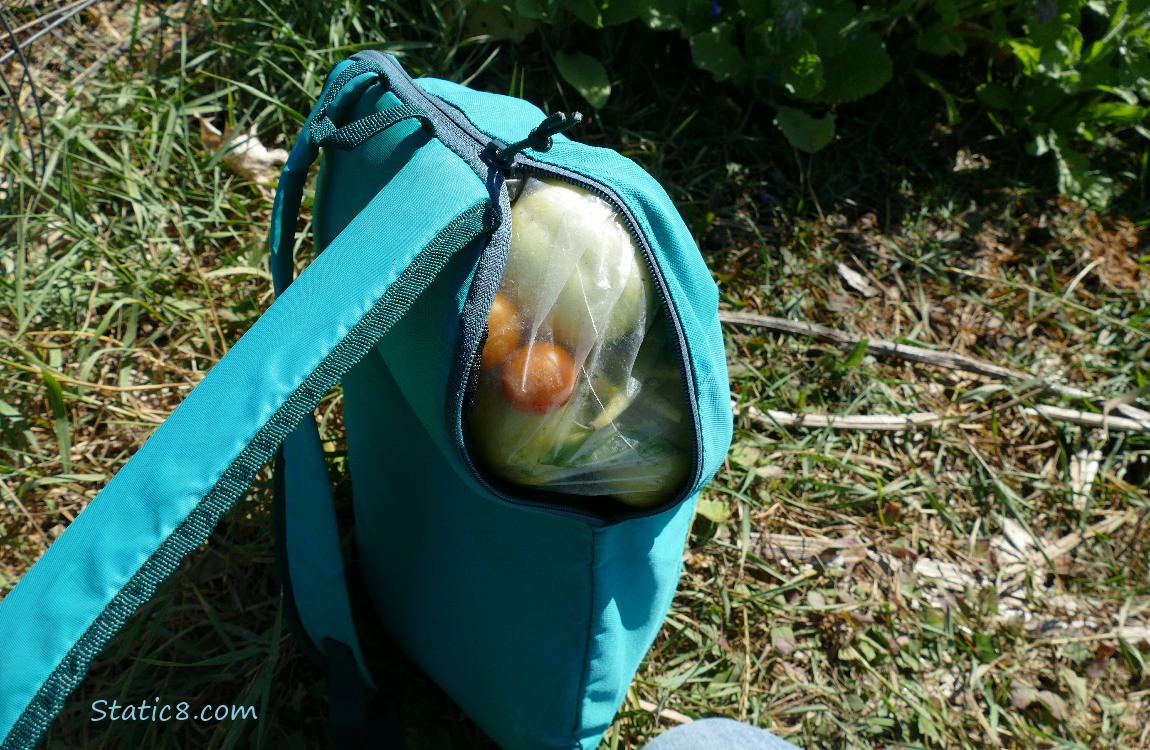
point(538, 139)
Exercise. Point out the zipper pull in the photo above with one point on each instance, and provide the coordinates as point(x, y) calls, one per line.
point(538, 139)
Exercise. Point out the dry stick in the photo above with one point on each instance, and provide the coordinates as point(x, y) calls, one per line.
point(897, 422)
point(883, 348)
point(666, 713)
point(862, 422)
point(1088, 419)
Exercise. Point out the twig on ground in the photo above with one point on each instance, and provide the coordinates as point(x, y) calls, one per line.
point(665, 713)
point(899, 422)
point(883, 348)
point(853, 422)
point(1120, 424)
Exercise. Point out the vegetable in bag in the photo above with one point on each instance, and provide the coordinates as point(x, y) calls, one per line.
point(579, 391)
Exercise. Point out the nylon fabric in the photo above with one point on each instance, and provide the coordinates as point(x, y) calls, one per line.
point(311, 534)
point(503, 118)
point(291, 182)
point(632, 592)
point(497, 611)
point(487, 621)
point(312, 554)
point(348, 181)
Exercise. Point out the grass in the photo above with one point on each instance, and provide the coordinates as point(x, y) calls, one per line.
point(134, 257)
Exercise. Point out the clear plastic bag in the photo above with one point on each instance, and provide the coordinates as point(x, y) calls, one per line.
point(579, 391)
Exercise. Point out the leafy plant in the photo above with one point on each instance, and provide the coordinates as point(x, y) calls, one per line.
point(1078, 73)
point(1067, 76)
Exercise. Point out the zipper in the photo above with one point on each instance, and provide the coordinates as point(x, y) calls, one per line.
point(510, 161)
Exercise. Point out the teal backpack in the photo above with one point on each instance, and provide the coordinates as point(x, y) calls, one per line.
point(531, 610)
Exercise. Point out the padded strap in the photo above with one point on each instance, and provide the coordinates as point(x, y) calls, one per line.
point(309, 561)
point(165, 502)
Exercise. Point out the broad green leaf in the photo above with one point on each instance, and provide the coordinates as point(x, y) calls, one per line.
point(533, 9)
point(1027, 55)
point(617, 12)
point(1124, 94)
point(496, 23)
point(754, 11)
point(947, 10)
point(659, 18)
point(715, 52)
point(926, 725)
point(803, 131)
point(790, 15)
point(1067, 50)
point(1042, 99)
point(1099, 7)
point(1134, 72)
point(799, 68)
point(1124, 114)
point(855, 358)
point(854, 65)
point(862, 71)
point(714, 510)
point(761, 49)
point(746, 455)
point(1039, 146)
point(586, 75)
point(984, 647)
point(600, 13)
point(941, 40)
point(688, 16)
point(507, 6)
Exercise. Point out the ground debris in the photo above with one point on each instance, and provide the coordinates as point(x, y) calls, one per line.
point(844, 552)
point(246, 155)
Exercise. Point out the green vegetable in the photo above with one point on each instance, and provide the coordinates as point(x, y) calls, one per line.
point(573, 263)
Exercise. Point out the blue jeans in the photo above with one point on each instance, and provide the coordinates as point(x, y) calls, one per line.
point(717, 734)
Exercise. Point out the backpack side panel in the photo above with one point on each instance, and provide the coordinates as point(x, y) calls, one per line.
point(492, 600)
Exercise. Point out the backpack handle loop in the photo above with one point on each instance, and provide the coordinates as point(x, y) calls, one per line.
point(323, 130)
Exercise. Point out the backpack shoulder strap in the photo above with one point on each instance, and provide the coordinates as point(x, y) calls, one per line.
point(308, 558)
point(167, 499)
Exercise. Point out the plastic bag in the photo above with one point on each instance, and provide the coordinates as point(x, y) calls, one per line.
point(579, 390)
